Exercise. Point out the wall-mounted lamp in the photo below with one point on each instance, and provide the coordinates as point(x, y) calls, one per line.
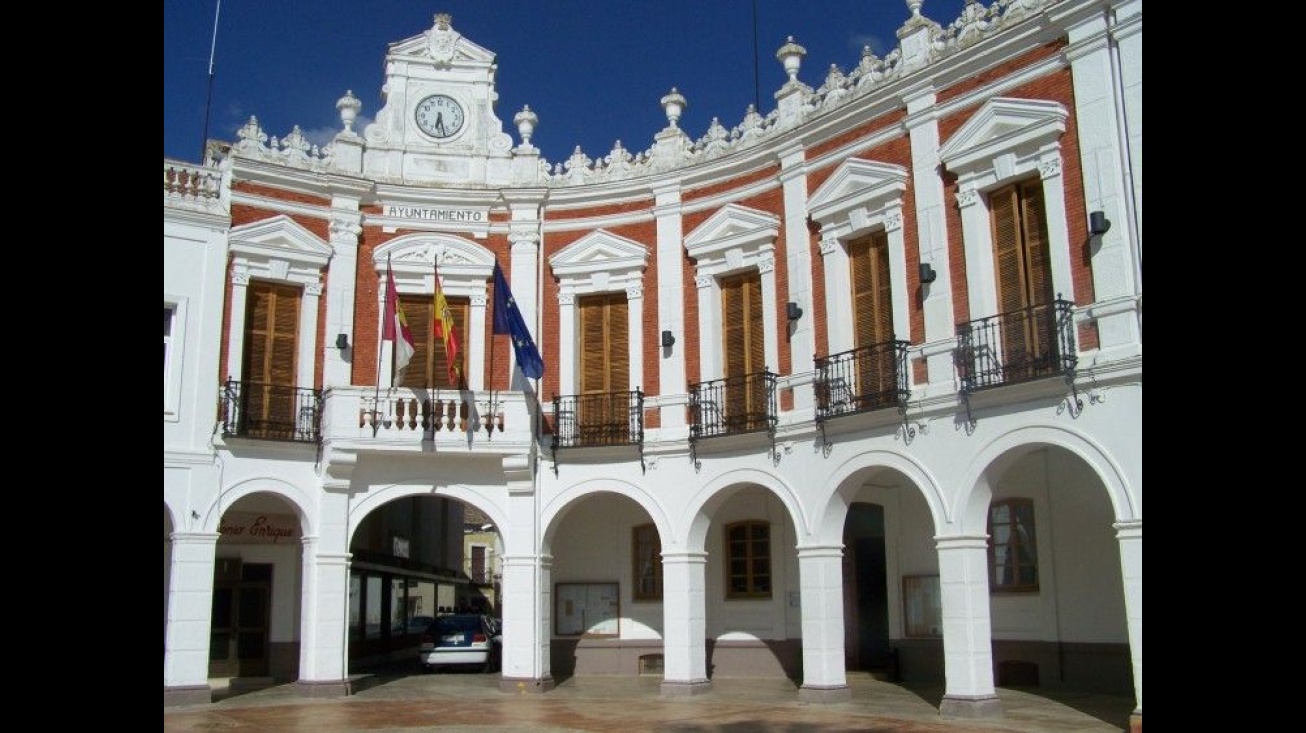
point(1098, 224)
point(793, 311)
point(667, 339)
point(342, 341)
point(927, 273)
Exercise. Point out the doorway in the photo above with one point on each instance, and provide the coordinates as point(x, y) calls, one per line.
point(865, 589)
point(242, 612)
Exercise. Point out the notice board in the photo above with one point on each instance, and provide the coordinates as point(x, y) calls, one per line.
point(586, 609)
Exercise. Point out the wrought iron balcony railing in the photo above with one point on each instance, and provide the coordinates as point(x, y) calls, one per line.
point(732, 406)
point(592, 420)
point(867, 378)
point(1018, 346)
point(270, 412)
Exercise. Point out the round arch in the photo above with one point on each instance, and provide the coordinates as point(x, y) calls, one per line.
point(1003, 450)
point(297, 497)
point(378, 497)
point(846, 478)
point(697, 516)
point(557, 508)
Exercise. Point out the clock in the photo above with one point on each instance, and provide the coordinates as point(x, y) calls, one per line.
point(439, 116)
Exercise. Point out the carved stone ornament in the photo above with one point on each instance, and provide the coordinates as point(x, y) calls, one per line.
point(703, 281)
point(566, 298)
point(1049, 167)
point(442, 38)
point(634, 292)
point(893, 220)
point(967, 197)
point(829, 242)
point(766, 263)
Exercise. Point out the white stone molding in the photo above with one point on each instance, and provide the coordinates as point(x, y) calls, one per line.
point(1005, 140)
point(859, 198)
point(599, 262)
point(735, 238)
point(277, 249)
point(465, 270)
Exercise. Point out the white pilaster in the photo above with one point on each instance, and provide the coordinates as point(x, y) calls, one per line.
point(190, 610)
point(635, 327)
point(820, 571)
point(798, 264)
point(307, 348)
point(323, 651)
point(1111, 156)
point(671, 299)
point(967, 641)
point(684, 620)
point(1130, 537)
point(345, 229)
point(236, 326)
point(523, 280)
point(931, 235)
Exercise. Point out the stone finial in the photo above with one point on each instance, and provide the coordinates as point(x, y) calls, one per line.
point(915, 7)
point(526, 121)
point(791, 55)
point(348, 106)
point(674, 103)
point(443, 21)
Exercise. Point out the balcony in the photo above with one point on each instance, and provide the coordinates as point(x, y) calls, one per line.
point(415, 419)
point(594, 420)
point(860, 380)
point(732, 406)
point(1018, 346)
point(270, 412)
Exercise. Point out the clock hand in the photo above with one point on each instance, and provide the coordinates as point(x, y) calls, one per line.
point(439, 122)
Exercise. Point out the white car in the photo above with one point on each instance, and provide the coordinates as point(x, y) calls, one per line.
point(461, 639)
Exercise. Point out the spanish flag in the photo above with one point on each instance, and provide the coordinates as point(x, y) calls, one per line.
point(444, 330)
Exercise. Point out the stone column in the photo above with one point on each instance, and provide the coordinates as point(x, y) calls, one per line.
point(684, 621)
point(324, 647)
point(967, 642)
point(527, 586)
point(820, 571)
point(190, 618)
point(1130, 537)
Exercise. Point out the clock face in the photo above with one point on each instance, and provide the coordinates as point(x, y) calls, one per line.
point(439, 116)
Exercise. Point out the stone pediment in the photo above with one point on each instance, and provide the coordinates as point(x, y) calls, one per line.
point(443, 46)
point(733, 227)
point(280, 237)
point(1004, 125)
point(599, 251)
point(416, 254)
point(856, 184)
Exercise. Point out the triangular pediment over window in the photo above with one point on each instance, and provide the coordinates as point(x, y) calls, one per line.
point(462, 50)
point(599, 251)
point(856, 184)
point(280, 237)
point(1004, 125)
point(733, 227)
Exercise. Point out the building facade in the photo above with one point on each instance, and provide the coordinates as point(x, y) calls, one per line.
point(854, 384)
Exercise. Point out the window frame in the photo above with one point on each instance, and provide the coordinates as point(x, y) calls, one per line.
point(174, 343)
point(752, 593)
point(1018, 507)
point(655, 568)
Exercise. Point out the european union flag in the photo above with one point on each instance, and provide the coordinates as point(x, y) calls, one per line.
point(507, 319)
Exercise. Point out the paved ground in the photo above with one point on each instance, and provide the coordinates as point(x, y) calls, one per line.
point(451, 702)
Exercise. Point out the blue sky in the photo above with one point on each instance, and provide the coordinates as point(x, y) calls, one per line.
point(593, 71)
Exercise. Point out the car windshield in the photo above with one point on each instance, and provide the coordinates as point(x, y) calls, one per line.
point(450, 624)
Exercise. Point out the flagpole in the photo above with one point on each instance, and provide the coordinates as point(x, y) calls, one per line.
point(380, 346)
point(208, 104)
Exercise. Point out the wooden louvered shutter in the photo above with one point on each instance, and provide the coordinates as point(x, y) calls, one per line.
point(271, 338)
point(458, 307)
point(1041, 329)
point(744, 347)
point(1024, 276)
point(873, 316)
point(417, 311)
point(605, 367)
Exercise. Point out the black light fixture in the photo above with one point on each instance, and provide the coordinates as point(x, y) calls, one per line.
point(667, 339)
point(927, 273)
point(793, 311)
point(1098, 224)
point(342, 341)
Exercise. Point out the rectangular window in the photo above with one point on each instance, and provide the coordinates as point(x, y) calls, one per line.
point(648, 563)
point(1013, 547)
point(604, 413)
point(478, 564)
point(873, 315)
point(743, 344)
point(169, 313)
point(429, 367)
point(269, 371)
point(1023, 268)
point(748, 560)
